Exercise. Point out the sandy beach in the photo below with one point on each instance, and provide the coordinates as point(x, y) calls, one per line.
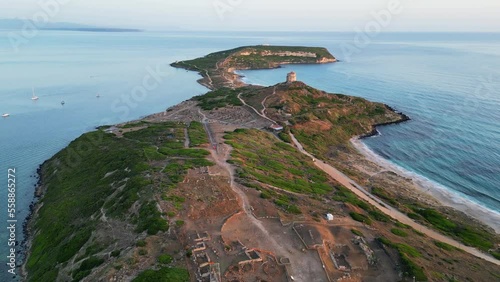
point(442, 194)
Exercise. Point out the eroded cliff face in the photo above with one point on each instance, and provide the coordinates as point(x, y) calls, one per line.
point(326, 60)
point(252, 58)
point(279, 53)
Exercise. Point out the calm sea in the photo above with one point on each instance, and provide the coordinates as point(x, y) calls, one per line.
point(447, 83)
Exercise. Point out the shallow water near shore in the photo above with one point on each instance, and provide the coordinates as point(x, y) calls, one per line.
point(437, 191)
point(453, 138)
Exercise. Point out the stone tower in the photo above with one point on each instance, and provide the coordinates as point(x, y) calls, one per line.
point(291, 77)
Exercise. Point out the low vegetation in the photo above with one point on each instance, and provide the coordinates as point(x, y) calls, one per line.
point(379, 192)
point(399, 232)
point(197, 134)
point(466, 234)
point(444, 246)
point(406, 253)
point(165, 259)
point(357, 232)
point(361, 218)
point(219, 98)
point(100, 174)
point(263, 158)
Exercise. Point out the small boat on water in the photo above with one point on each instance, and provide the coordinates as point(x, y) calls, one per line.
point(98, 95)
point(34, 98)
point(62, 103)
point(5, 115)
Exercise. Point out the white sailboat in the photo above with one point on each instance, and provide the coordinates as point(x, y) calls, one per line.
point(97, 95)
point(5, 115)
point(34, 98)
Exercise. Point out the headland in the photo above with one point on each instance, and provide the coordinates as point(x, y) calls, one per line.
point(242, 182)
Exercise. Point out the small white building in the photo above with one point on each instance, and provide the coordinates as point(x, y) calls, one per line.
point(276, 127)
point(329, 216)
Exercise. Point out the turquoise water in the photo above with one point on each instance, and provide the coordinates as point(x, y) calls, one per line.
point(453, 138)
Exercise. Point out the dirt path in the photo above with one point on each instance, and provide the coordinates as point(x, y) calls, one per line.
point(302, 270)
point(210, 82)
point(207, 129)
point(186, 138)
point(221, 160)
point(388, 210)
point(263, 103)
point(255, 110)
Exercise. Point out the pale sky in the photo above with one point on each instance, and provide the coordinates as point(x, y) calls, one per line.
point(278, 15)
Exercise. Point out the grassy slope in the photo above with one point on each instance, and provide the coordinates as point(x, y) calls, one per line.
point(77, 190)
point(265, 158)
point(219, 98)
point(325, 122)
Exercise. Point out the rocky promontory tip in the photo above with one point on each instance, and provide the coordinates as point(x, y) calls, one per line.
point(217, 69)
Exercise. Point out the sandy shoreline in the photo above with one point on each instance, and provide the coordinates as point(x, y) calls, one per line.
point(442, 194)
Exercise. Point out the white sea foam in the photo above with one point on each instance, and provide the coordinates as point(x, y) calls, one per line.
point(441, 193)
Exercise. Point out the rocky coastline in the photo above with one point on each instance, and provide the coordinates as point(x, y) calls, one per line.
point(374, 131)
point(34, 206)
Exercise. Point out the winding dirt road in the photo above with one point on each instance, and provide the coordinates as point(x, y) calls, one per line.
point(255, 110)
point(388, 210)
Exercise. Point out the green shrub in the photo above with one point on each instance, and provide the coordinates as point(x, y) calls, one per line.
point(410, 269)
point(378, 216)
point(401, 225)
point(495, 254)
point(293, 209)
point(379, 192)
point(361, 218)
point(414, 216)
point(356, 232)
point(409, 250)
point(165, 259)
point(399, 232)
point(444, 246)
point(86, 267)
point(285, 137)
point(150, 219)
point(219, 98)
point(467, 234)
point(265, 195)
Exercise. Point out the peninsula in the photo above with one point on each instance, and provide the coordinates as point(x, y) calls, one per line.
point(217, 68)
point(246, 182)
